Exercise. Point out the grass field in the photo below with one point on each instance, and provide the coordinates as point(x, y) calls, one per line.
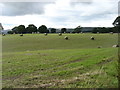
point(39, 61)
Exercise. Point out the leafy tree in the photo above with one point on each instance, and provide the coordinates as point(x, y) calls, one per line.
point(43, 29)
point(63, 30)
point(77, 29)
point(10, 32)
point(53, 30)
point(15, 29)
point(31, 28)
point(103, 30)
point(116, 29)
point(47, 31)
point(21, 29)
point(95, 30)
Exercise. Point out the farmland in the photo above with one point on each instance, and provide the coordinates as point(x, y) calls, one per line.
point(38, 61)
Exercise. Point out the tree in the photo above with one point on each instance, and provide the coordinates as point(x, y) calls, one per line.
point(116, 29)
point(95, 30)
point(10, 32)
point(53, 30)
point(63, 30)
point(21, 29)
point(15, 29)
point(31, 28)
point(104, 30)
point(43, 29)
point(77, 29)
point(47, 31)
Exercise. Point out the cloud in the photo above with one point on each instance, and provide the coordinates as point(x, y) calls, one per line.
point(81, 12)
point(22, 8)
point(61, 13)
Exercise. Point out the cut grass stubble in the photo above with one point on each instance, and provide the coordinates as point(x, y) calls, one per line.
point(52, 62)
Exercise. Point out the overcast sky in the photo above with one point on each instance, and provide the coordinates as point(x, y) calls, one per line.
point(59, 13)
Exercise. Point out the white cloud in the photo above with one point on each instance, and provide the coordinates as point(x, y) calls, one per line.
point(66, 13)
point(102, 12)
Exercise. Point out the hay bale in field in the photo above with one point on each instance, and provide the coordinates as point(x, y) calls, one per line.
point(60, 34)
point(3, 34)
point(99, 47)
point(111, 32)
point(115, 46)
point(66, 37)
point(92, 38)
point(21, 34)
point(45, 34)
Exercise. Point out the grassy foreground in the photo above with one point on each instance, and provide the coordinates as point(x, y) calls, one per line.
point(40, 61)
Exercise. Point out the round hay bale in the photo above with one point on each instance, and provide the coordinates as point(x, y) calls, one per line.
point(115, 46)
point(3, 34)
point(66, 37)
point(99, 47)
point(45, 34)
point(21, 34)
point(92, 38)
point(60, 34)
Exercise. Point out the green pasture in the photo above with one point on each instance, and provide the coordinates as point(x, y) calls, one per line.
point(38, 61)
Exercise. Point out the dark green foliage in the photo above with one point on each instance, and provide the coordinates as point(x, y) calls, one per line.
point(116, 29)
point(95, 30)
point(31, 28)
point(20, 29)
point(63, 30)
point(43, 29)
point(105, 30)
point(77, 29)
point(15, 30)
point(53, 30)
point(47, 31)
point(10, 32)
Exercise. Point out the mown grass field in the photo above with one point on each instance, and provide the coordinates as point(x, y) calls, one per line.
point(38, 61)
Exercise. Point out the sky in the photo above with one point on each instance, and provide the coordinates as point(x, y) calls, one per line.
point(58, 13)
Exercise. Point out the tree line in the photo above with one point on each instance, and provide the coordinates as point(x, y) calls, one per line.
point(105, 30)
point(31, 28)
